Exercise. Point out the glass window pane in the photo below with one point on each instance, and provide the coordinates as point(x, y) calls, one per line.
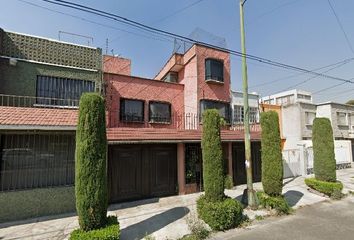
point(160, 112)
point(132, 110)
point(61, 91)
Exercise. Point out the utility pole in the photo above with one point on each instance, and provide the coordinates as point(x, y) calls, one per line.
point(252, 199)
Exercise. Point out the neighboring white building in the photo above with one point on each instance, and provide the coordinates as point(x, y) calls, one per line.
point(237, 107)
point(288, 97)
point(342, 119)
point(297, 114)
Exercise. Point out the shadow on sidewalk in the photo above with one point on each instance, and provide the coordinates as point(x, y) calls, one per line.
point(293, 197)
point(154, 223)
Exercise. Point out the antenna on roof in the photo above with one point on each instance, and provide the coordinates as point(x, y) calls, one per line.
point(76, 35)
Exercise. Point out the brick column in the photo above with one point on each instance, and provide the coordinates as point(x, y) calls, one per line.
point(181, 168)
point(229, 149)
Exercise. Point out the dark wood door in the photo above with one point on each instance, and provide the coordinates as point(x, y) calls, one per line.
point(163, 169)
point(141, 171)
point(238, 159)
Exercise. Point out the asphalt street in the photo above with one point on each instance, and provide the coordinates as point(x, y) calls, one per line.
point(327, 220)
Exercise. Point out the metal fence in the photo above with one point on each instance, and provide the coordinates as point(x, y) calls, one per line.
point(181, 121)
point(36, 160)
point(30, 101)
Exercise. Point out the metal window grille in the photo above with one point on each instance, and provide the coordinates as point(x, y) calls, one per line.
point(61, 91)
point(36, 160)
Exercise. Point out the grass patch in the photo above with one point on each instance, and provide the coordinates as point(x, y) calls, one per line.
point(331, 189)
point(110, 232)
point(259, 217)
point(278, 203)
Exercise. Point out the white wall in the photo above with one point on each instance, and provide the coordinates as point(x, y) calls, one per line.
point(291, 125)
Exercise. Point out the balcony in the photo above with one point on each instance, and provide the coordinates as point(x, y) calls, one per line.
point(33, 113)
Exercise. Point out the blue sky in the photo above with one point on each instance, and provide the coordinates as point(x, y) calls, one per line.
point(302, 33)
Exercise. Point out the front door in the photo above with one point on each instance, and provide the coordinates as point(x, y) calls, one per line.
point(193, 165)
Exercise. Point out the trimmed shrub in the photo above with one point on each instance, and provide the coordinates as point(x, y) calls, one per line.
point(213, 166)
point(229, 183)
point(90, 163)
point(331, 189)
point(272, 163)
point(278, 203)
point(220, 215)
point(110, 231)
point(324, 165)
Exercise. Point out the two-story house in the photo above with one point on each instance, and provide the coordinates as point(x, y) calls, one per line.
point(154, 125)
point(41, 81)
point(297, 115)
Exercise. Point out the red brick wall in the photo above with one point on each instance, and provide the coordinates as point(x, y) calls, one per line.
point(213, 91)
point(121, 86)
point(116, 65)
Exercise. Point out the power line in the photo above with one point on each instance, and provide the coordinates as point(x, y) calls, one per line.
point(168, 16)
point(341, 26)
point(271, 11)
point(178, 11)
point(186, 39)
point(299, 74)
point(154, 37)
point(313, 77)
point(327, 88)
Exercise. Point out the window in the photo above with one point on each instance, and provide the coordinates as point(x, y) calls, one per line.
point(36, 160)
point(131, 110)
point(239, 114)
point(214, 70)
point(285, 100)
point(61, 91)
point(342, 119)
point(171, 77)
point(302, 96)
point(159, 112)
point(352, 121)
point(223, 108)
point(310, 116)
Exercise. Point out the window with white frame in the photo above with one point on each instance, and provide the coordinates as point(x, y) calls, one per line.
point(239, 114)
point(342, 119)
point(352, 120)
point(310, 116)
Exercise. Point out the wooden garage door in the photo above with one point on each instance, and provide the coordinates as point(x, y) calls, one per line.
point(141, 171)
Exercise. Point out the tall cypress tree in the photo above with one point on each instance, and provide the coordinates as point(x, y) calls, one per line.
point(213, 172)
point(90, 163)
point(324, 165)
point(272, 163)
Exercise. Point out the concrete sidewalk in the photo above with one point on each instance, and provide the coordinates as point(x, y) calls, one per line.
point(163, 218)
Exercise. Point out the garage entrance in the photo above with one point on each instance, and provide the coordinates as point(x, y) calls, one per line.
point(141, 171)
point(238, 162)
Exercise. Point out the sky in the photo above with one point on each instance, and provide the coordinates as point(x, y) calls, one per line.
point(301, 33)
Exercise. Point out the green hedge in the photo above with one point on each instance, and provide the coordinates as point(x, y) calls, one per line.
point(272, 163)
point(278, 203)
point(213, 166)
point(109, 232)
point(220, 215)
point(90, 163)
point(331, 189)
point(229, 183)
point(324, 165)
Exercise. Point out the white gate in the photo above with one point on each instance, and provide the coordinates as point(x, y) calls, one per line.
point(291, 163)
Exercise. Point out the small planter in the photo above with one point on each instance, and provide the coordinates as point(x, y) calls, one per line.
point(191, 188)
